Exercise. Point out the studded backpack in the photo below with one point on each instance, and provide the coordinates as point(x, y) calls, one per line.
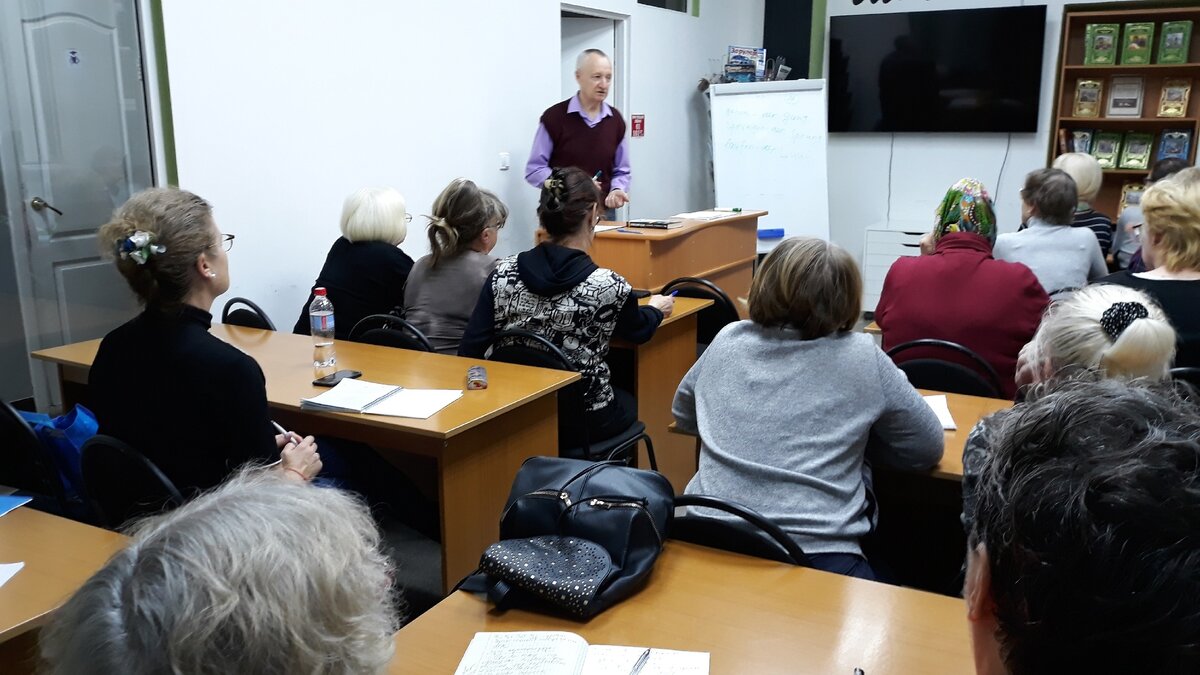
point(576, 536)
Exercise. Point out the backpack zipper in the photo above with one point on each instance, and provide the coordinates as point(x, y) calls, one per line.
point(603, 504)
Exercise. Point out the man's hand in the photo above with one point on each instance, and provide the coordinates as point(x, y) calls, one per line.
point(616, 199)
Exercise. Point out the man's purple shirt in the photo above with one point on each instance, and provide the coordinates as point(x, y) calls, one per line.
point(537, 169)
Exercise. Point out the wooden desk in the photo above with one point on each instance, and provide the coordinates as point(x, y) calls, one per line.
point(476, 462)
point(657, 369)
point(872, 329)
point(966, 411)
point(722, 251)
point(59, 555)
point(751, 615)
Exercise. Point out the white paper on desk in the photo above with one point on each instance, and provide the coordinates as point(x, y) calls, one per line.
point(416, 403)
point(606, 228)
point(703, 215)
point(605, 659)
point(528, 652)
point(350, 395)
point(9, 570)
point(941, 408)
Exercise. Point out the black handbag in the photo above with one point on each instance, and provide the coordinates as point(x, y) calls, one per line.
point(575, 535)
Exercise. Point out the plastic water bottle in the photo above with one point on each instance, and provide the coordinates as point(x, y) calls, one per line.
point(320, 322)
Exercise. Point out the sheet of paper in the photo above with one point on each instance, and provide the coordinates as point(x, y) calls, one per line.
point(416, 403)
point(349, 395)
point(606, 228)
point(9, 502)
point(9, 570)
point(605, 659)
point(703, 215)
point(526, 652)
point(941, 408)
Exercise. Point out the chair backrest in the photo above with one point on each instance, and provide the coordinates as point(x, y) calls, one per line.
point(526, 348)
point(755, 535)
point(121, 484)
point(389, 330)
point(712, 319)
point(948, 376)
point(24, 463)
point(250, 316)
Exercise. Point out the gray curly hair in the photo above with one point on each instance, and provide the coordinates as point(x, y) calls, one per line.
point(261, 575)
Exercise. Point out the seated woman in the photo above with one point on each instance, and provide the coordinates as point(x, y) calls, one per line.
point(960, 293)
point(790, 403)
point(194, 405)
point(365, 270)
point(1102, 331)
point(556, 291)
point(1127, 245)
point(1061, 256)
point(1171, 249)
point(1088, 177)
point(220, 585)
point(444, 285)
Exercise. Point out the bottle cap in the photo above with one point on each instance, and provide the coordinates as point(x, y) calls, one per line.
point(319, 290)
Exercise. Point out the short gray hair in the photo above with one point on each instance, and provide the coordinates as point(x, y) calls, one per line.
point(375, 214)
point(1053, 193)
point(583, 57)
point(262, 575)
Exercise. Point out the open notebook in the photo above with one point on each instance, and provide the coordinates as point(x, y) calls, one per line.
point(382, 399)
point(562, 653)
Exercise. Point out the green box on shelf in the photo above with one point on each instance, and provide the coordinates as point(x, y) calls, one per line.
point(1135, 151)
point(1175, 42)
point(1138, 43)
point(1106, 148)
point(1101, 44)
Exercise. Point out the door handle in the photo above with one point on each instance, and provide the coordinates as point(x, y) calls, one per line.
point(38, 204)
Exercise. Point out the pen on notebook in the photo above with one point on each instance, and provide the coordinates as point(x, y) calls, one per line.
point(641, 662)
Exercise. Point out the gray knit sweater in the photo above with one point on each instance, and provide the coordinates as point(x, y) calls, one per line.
point(785, 424)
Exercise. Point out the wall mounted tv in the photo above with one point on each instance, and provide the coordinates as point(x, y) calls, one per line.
point(970, 70)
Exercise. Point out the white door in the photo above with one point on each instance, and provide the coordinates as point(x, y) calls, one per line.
point(578, 34)
point(80, 145)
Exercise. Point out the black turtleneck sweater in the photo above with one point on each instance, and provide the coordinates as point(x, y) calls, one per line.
point(193, 404)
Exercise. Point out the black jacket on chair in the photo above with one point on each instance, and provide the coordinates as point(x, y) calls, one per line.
point(360, 279)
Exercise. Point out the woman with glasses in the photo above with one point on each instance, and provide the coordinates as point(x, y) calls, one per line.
point(194, 405)
point(1171, 248)
point(444, 285)
point(558, 292)
point(365, 270)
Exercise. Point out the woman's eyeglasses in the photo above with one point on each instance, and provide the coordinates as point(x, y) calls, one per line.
point(225, 243)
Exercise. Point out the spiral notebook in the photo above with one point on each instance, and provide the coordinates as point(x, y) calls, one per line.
point(563, 653)
point(374, 398)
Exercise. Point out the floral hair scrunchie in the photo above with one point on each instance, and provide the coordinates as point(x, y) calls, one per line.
point(139, 247)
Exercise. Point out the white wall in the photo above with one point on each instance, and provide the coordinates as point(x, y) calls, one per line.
point(282, 107)
point(916, 169)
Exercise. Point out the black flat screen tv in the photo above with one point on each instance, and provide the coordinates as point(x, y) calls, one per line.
point(969, 70)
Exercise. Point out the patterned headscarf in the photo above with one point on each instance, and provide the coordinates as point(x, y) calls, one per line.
point(966, 208)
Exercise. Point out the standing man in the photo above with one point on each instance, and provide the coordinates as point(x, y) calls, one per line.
point(586, 132)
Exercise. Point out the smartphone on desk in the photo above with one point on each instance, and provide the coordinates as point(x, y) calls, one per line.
point(333, 378)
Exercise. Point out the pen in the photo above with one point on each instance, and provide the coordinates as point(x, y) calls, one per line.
point(673, 294)
point(621, 229)
point(598, 175)
point(294, 438)
point(641, 662)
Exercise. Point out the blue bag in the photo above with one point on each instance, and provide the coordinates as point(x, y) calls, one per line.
point(63, 437)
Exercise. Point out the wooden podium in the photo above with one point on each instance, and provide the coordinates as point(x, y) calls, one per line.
point(721, 250)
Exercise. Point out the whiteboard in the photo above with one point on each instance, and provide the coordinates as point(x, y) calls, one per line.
point(769, 154)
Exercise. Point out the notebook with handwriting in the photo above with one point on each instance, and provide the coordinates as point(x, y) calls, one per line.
point(562, 653)
point(374, 398)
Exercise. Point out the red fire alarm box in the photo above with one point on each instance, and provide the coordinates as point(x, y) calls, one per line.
point(639, 125)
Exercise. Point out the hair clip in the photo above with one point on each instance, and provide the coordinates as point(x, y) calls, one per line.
point(139, 247)
point(1120, 315)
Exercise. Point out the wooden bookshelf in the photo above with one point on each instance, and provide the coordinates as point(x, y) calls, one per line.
point(1071, 69)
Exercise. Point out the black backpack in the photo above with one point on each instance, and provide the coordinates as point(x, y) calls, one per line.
point(575, 535)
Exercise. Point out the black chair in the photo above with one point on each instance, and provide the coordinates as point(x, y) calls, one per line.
point(712, 319)
point(525, 348)
point(758, 536)
point(948, 376)
point(121, 484)
point(26, 466)
point(250, 316)
point(1062, 293)
point(389, 330)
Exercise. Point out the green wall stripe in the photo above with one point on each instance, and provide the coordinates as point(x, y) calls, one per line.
point(816, 45)
point(164, 90)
